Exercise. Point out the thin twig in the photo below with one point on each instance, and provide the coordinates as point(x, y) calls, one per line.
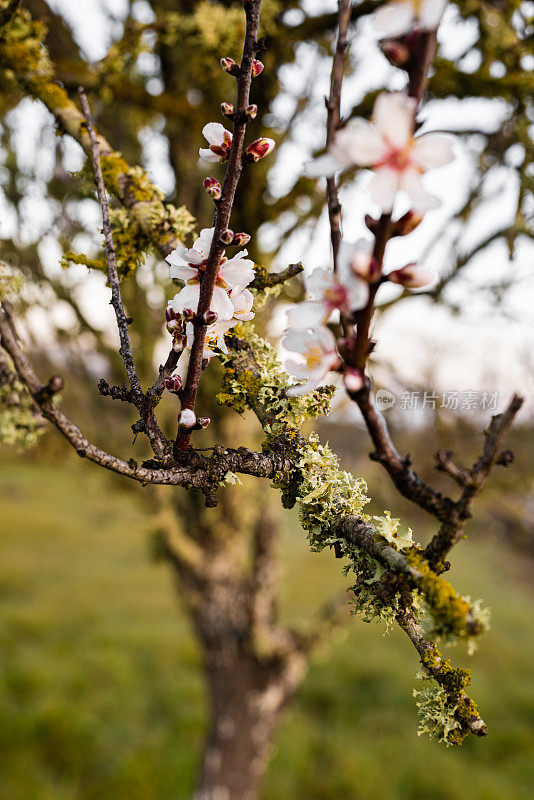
point(333, 105)
point(116, 300)
point(157, 439)
point(222, 217)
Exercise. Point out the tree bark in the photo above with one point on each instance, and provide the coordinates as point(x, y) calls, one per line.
point(246, 703)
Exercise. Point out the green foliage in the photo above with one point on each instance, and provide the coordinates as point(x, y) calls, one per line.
point(100, 683)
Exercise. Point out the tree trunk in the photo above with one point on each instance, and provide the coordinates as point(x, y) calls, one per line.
point(247, 699)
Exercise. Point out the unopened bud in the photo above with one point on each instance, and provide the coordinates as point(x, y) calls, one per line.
point(257, 68)
point(210, 317)
point(241, 239)
point(407, 223)
point(366, 267)
point(229, 66)
point(251, 112)
point(226, 236)
point(259, 149)
point(396, 52)
point(228, 110)
point(187, 418)
point(178, 343)
point(188, 314)
point(412, 276)
point(203, 422)
point(213, 188)
point(173, 383)
point(353, 380)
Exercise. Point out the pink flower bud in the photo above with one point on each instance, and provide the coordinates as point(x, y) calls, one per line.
point(396, 52)
point(203, 422)
point(173, 383)
point(188, 314)
point(353, 380)
point(228, 110)
point(229, 66)
point(241, 239)
point(257, 68)
point(226, 236)
point(251, 112)
point(366, 267)
point(187, 418)
point(179, 342)
point(259, 149)
point(210, 317)
point(213, 188)
point(411, 276)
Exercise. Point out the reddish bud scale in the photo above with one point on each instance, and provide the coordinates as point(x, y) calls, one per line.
point(396, 52)
point(257, 68)
point(226, 236)
point(241, 239)
point(228, 110)
point(173, 383)
point(407, 223)
point(188, 314)
point(202, 422)
point(251, 112)
point(259, 149)
point(210, 317)
point(229, 66)
point(213, 188)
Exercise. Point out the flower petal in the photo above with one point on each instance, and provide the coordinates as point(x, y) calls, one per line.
point(214, 132)
point(431, 13)
point(360, 143)
point(209, 156)
point(358, 290)
point(183, 365)
point(306, 315)
point(394, 19)
point(202, 245)
point(422, 200)
point(221, 304)
point(383, 187)
point(318, 281)
point(297, 340)
point(393, 115)
point(183, 272)
point(432, 150)
point(186, 298)
point(237, 271)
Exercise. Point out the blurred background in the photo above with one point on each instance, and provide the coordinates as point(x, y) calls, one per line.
point(102, 691)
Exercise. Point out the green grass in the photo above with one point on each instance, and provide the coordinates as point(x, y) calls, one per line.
point(101, 694)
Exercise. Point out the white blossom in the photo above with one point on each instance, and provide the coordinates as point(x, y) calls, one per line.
point(220, 142)
point(189, 265)
point(318, 355)
point(397, 18)
point(387, 145)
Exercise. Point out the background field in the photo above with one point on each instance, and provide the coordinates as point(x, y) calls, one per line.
point(101, 696)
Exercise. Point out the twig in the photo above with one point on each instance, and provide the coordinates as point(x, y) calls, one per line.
point(222, 217)
point(441, 671)
point(474, 479)
point(157, 439)
point(116, 300)
point(270, 279)
point(333, 105)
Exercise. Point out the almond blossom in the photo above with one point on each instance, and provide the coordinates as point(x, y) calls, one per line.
point(387, 145)
point(220, 142)
point(188, 265)
point(345, 291)
point(318, 355)
point(395, 19)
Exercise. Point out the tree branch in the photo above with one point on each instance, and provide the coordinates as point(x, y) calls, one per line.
point(222, 216)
